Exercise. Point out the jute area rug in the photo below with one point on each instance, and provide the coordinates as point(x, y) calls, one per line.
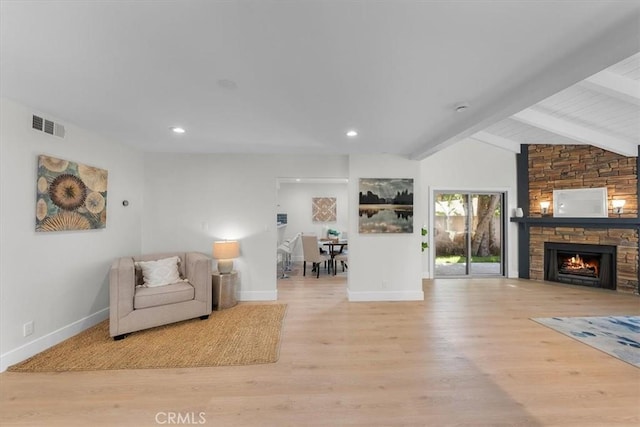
point(246, 334)
point(618, 336)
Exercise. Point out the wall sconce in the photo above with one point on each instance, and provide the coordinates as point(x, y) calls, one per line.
point(544, 207)
point(618, 205)
point(225, 252)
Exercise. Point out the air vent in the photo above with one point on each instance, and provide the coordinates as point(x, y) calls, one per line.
point(38, 122)
point(58, 130)
point(47, 126)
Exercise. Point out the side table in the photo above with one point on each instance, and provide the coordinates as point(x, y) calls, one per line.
point(224, 290)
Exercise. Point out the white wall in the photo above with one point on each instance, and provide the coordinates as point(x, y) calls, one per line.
point(191, 200)
point(384, 267)
point(295, 198)
point(473, 166)
point(58, 280)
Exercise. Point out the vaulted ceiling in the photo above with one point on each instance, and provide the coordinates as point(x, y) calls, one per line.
point(267, 76)
point(603, 110)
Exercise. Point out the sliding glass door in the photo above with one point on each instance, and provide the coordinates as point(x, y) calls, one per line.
point(468, 234)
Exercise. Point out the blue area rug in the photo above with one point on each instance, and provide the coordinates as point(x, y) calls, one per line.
point(618, 336)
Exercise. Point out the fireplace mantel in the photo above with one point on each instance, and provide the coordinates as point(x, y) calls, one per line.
point(578, 222)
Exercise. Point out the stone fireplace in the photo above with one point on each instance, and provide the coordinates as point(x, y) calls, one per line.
point(605, 246)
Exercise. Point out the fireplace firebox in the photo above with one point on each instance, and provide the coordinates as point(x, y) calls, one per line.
point(580, 264)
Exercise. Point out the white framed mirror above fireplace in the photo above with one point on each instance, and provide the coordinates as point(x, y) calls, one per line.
point(580, 203)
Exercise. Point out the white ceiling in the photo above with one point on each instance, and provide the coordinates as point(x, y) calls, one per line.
point(602, 110)
point(292, 77)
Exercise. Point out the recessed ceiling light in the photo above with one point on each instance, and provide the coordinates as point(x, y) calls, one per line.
point(352, 133)
point(227, 84)
point(178, 129)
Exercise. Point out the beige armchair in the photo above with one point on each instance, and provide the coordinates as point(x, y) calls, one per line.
point(133, 307)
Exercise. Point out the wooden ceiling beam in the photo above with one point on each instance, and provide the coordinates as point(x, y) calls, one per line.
point(577, 132)
point(614, 85)
point(497, 141)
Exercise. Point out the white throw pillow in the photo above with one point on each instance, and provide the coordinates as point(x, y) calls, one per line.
point(161, 272)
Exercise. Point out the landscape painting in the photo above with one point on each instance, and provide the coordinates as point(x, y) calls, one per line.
point(70, 196)
point(386, 205)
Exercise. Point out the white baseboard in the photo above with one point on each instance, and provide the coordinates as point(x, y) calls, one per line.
point(385, 296)
point(44, 342)
point(258, 295)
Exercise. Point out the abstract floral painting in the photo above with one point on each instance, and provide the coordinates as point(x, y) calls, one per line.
point(70, 196)
point(323, 209)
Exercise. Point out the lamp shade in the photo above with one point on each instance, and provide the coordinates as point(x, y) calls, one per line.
point(225, 252)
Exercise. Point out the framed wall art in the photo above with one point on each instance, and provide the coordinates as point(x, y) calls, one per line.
point(323, 209)
point(385, 205)
point(70, 196)
point(580, 203)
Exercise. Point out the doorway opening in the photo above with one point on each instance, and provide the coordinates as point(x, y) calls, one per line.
point(310, 206)
point(469, 234)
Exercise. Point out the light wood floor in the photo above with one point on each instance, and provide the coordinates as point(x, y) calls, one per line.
point(467, 355)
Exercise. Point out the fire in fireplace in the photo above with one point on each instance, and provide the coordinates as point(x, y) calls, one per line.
point(586, 266)
point(580, 264)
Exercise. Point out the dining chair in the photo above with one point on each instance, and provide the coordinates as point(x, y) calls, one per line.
point(311, 253)
point(343, 257)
